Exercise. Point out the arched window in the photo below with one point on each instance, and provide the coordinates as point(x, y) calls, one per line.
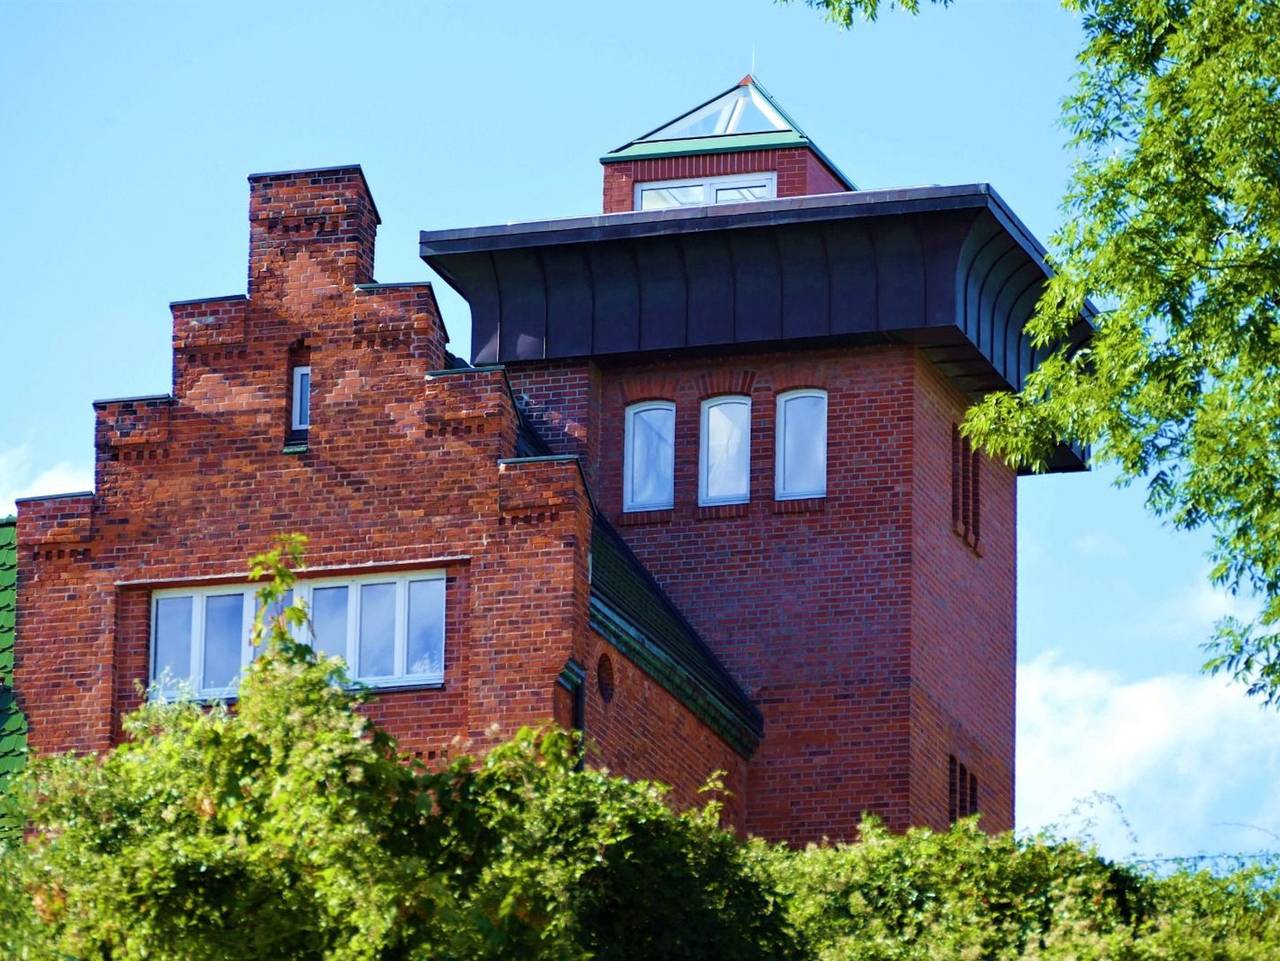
point(801, 452)
point(648, 468)
point(724, 451)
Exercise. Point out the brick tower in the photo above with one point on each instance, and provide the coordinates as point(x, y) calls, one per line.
point(741, 292)
point(699, 490)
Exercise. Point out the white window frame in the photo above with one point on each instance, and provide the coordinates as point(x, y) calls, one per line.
point(709, 186)
point(199, 596)
point(629, 504)
point(302, 591)
point(780, 435)
point(297, 407)
point(704, 440)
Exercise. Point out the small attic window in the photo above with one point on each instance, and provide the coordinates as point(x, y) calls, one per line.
point(300, 419)
point(744, 109)
point(665, 194)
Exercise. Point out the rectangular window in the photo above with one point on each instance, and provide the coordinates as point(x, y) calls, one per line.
point(389, 628)
point(966, 505)
point(736, 188)
point(801, 451)
point(648, 460)
point(724, 451)
point(962, 790)
point(301, 416)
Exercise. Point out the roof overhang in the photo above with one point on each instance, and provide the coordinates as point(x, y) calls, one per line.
point(949, 269)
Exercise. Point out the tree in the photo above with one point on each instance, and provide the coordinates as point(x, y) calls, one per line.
point(1172, 227)
point(293, 828)
point(843, 13)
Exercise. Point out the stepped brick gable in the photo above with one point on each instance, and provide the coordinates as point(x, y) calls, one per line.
point(697, 489)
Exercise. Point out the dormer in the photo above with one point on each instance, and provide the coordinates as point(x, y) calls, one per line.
point(736, 147)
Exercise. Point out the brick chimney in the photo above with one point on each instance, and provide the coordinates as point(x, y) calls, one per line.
point(312, 227)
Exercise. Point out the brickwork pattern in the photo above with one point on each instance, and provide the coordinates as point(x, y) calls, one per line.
point(403, 467)
point(800, 172)
point(869, 663)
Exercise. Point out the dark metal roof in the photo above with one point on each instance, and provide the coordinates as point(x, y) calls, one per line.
point(951, 269)
point(630, 608)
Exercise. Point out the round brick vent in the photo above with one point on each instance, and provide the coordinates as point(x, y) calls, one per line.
point(604, 677)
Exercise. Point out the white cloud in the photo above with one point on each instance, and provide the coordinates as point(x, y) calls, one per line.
point(20, 476)
point(1190, 760)
point(1099, 544)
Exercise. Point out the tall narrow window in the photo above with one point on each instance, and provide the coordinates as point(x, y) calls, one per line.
point(966, 502)
point(724, 454)
point(801, 452)
point(648, 469)
point(301, 416)
point(962, 790)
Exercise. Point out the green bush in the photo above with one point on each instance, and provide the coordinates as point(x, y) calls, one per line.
point(292, 828)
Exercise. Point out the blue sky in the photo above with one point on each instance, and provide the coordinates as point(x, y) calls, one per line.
point(130, 129)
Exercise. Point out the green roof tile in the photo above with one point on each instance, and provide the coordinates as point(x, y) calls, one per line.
point(631, 610)
point(13, 724)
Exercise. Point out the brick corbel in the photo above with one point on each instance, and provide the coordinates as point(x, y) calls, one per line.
point(207, 323)
point(539, 489)
point(56, 522)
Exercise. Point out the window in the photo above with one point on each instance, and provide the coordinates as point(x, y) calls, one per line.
point(962, 790)
point(664, 194)
point(801, 455)
point(388, 627)
point(648, 470)
point(966, 512)
point(724, 454)
point(300, 418)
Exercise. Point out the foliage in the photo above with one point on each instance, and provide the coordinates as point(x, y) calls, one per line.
point(291, 827)
point(1172, 224)
point(1173, 221)
point(843, 13)
point(965, 894)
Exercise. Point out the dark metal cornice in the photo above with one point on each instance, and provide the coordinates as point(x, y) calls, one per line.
point(949, 269)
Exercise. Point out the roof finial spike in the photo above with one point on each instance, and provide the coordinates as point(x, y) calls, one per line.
point(752, 74)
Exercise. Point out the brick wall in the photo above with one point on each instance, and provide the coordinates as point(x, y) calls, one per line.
point(963, 620)
point(870, 659)
point(404, 467)
point(800, 172)
point(644, 732)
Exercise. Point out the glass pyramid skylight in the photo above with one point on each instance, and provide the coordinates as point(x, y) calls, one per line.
point(744, 117)
point(741, 110)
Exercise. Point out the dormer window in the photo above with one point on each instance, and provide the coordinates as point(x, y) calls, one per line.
point(300, 418)
point(665, 194)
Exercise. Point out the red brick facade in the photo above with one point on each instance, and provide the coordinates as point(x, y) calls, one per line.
point(877, 642)
point(800, 172)
point(402, 470)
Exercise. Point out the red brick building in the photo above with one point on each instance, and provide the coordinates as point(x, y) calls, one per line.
point(699, 490)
